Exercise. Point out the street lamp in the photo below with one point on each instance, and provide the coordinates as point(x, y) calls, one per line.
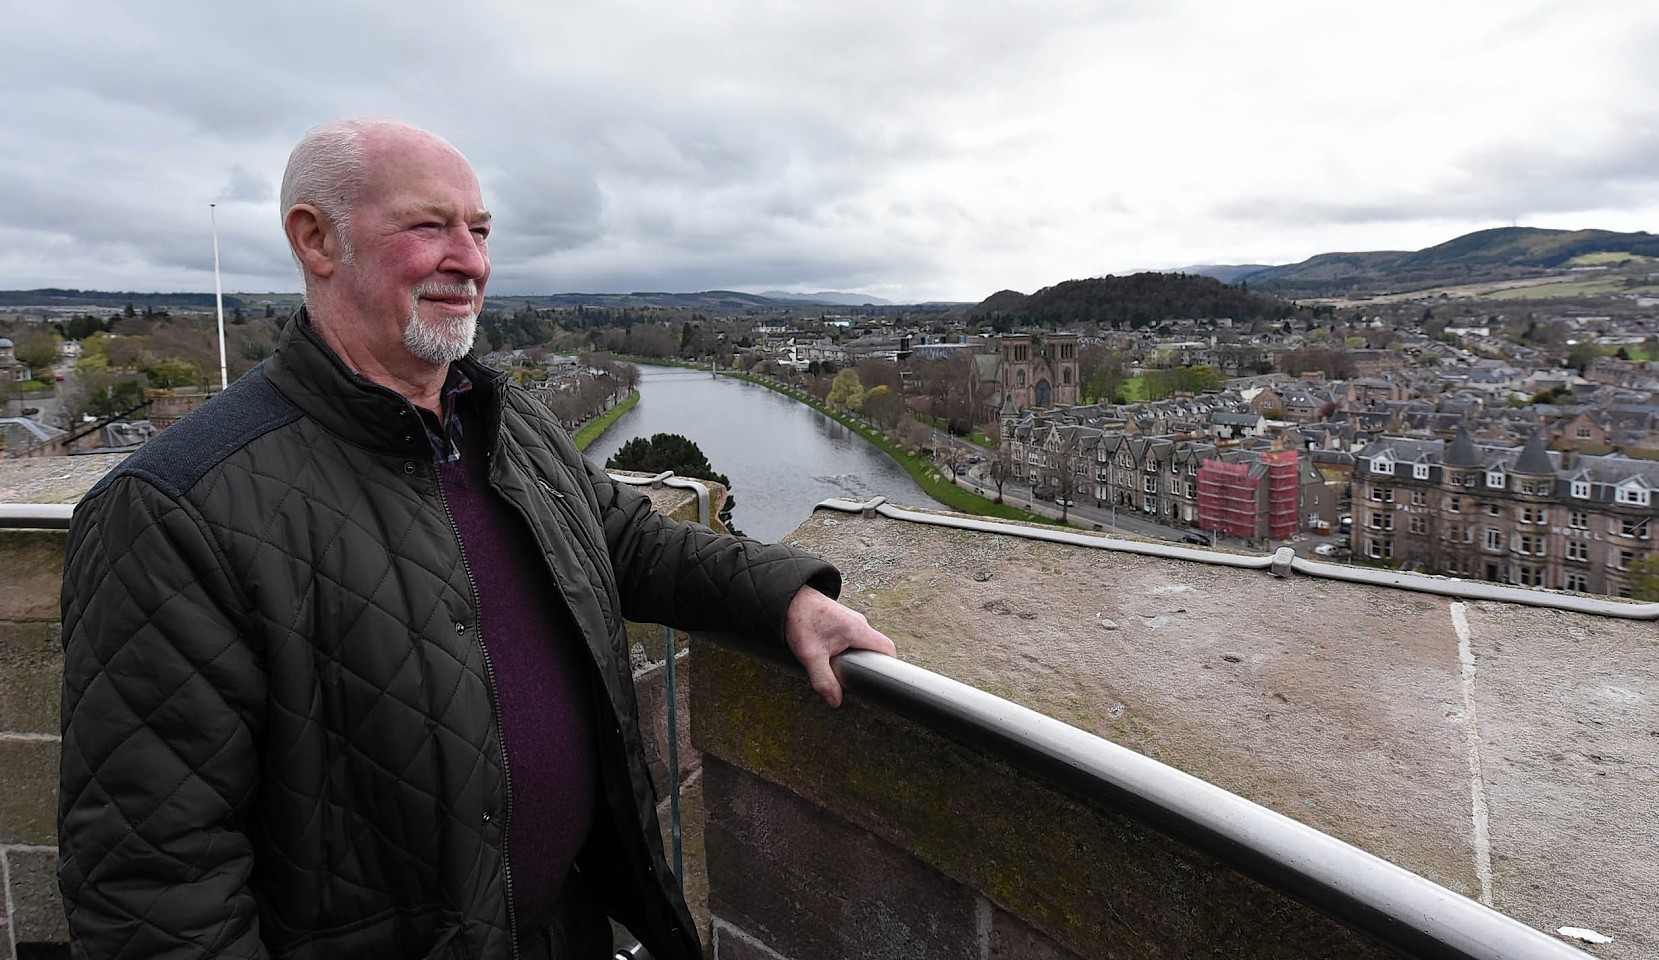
point(218, 295)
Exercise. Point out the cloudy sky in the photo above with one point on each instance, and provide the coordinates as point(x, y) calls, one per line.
point(909, 150)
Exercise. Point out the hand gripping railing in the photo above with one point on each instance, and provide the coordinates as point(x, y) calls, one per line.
point(1367, 894)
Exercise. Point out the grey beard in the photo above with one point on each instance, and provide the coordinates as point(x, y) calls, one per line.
point(444, 341)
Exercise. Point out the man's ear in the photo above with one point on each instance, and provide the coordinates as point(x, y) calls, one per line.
point(312, 237)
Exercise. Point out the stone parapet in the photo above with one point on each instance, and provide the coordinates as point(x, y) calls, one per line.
point(858, 833)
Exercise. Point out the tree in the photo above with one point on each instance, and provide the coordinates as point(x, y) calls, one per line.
point(38, 350)
point(670, 451)
point(883, 405)
point(846, 391)
point(1644, 578)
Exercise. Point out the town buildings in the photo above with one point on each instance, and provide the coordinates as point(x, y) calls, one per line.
point(1522, 515)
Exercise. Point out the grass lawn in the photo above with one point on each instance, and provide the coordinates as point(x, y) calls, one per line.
point(1133, 390)
point(596, 427)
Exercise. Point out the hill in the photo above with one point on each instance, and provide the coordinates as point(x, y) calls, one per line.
point(1498, 254)
point(1132, 301)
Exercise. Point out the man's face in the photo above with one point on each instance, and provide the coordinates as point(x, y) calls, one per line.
point(415, 283)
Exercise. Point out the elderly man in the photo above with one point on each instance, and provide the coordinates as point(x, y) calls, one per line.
point(345, 671)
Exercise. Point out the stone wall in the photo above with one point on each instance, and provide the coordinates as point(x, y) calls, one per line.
point(857, 833)
point(31, 668)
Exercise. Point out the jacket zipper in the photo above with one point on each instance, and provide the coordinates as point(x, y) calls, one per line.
point(500, 737)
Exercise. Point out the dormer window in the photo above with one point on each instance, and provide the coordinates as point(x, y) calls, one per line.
point(1383, 465)
point(1630, 493)
point(1581, 489)
point(1419, 471)
point(1494, 479)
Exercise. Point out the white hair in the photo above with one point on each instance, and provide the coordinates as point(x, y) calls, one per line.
point(327, 169)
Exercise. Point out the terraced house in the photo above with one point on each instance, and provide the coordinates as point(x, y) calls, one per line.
point(1521, 515)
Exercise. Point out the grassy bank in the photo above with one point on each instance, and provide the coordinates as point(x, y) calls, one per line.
point(936, 485)
point(596, 427)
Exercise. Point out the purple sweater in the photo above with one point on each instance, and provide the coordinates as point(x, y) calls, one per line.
point(542, 684)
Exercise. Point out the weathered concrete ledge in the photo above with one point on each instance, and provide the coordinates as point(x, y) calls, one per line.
point(1510, 753)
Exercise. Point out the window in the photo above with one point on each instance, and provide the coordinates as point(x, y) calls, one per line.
point(1581, 489)
point(1452, 532)
point(1531, 514)
point(1578, 519)
point(1494, 479)
point(1151, 485)
point(1493, 510)
point(1419, 498)
point(1382, 494)
point(1379, 549)
point(1583, 434)
point(1577, 583)
point(1578, 550)
point(1419, 525)
point(1382, 521)
point(1529, 576)
point(1633, 528)
point(1192, 491)
point(1528, 543)
point(1151, 466)
point(1626, 558)
point(1420, 471)
point(1494, 539)
point(1383, 465)
point(1065, 376)
point(1631, 494)
point(1453, 504)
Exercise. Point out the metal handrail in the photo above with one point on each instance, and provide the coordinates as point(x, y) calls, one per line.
point(1361, 891)
point(35, 516)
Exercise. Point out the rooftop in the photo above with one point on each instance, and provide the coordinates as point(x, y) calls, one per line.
point(1501, 749)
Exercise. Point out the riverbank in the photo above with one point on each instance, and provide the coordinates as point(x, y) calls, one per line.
point(933, 483)
point(595, 428)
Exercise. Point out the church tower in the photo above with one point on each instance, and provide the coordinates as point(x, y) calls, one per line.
point(1035, 373)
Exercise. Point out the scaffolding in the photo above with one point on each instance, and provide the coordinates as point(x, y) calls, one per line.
point(1283, 486)
point(1227, 498)
point(1231, 499)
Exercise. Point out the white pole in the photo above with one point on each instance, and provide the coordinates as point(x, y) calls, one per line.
point(219, 296)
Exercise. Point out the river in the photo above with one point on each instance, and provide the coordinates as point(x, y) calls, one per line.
point(783, 457)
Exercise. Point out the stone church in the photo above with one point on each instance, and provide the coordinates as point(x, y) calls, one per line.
point(1033, 373)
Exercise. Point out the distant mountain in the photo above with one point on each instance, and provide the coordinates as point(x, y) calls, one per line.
point(1225, 272)
point(1502, 253)
point(99, 301)
point(830, 297)
point(1132, 301)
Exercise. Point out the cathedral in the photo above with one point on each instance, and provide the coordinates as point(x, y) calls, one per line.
point(1032, 373)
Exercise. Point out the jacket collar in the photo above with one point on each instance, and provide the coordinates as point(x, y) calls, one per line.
point(314, 379)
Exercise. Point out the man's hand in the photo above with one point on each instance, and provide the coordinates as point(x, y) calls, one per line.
point(818, 628)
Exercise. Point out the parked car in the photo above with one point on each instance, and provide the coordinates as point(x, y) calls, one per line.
point(1325, 550)
point(1196, 538)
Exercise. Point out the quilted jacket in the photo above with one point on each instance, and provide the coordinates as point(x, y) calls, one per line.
point(279, 731)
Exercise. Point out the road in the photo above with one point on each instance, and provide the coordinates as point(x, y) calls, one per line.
point(1122, 520)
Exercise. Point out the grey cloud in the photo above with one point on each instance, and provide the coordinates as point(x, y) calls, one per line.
point(1506, 182)
point(245, 186)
